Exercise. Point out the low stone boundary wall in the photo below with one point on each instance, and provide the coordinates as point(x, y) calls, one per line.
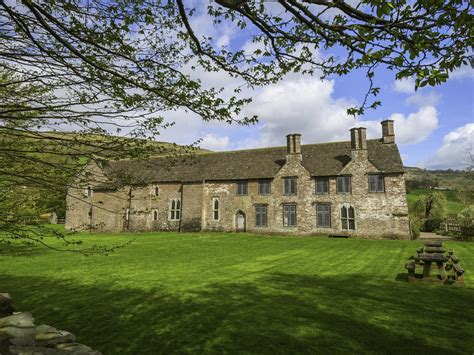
point(19, 335)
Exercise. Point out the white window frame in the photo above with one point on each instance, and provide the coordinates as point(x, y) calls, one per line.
point(216, 210)
point(347, 207)
point(175, 209)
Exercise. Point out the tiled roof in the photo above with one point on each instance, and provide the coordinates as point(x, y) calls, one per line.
point(325, 159)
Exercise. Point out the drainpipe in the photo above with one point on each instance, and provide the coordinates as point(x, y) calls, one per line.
point(181, 210)
point(129, 214)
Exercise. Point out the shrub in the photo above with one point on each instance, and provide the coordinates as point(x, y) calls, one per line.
point(415, 231)
point(431, 225)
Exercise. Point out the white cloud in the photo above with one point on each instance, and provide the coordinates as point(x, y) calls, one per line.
point(420, 100)
point(303, 105)
point(415, 127)
point(454, 151)
point(214, 142)
point(306, 105)
point(464, 72)
point(405, 86)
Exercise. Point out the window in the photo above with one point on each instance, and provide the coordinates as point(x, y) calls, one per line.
point(323, 216)
point(289, 215)
point(127, 214)
point(215, 209)
point(175, 210)
point(155, 191)
point(343, 184)
point(261, 215)
point(322, 186)
point(348, 217)
point(155, 215)
point(89, 191)
point(242, 188)
point(376, 183)
point(264, 187)
point(89, 215)
point(289, 187)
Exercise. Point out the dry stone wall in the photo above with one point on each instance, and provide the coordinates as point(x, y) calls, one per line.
point(19, 335)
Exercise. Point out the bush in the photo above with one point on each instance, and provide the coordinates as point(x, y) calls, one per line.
point(415, 231)
point(431, 225)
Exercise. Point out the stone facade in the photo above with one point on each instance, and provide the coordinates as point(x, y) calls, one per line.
point(148, 206)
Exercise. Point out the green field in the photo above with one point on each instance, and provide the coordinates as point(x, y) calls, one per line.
point(228, 293)
point(453, 205)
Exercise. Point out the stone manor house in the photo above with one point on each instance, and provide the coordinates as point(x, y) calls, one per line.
point(354, 188)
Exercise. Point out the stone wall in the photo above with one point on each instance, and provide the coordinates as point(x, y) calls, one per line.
point(19, 335)
point(382, 214)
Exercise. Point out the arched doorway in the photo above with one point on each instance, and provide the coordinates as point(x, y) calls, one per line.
point(240, 221)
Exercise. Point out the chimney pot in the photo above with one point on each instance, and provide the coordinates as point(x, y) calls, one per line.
point(362, 138)
point(355, 139)
point(293, 143)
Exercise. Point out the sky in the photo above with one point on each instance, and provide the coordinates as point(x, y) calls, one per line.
point(434, 127)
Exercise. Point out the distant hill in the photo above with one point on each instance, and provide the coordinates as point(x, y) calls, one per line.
point(441, 179)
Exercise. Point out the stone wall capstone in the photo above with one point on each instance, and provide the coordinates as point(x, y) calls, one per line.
point(19, 335)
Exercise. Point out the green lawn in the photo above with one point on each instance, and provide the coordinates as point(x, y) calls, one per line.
point(227, 293)
point(453, 205)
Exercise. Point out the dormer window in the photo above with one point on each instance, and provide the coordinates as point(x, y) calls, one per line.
point(89, 191)
point(289, 185)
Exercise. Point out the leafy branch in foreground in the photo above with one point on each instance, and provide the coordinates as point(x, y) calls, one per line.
point(106, 70)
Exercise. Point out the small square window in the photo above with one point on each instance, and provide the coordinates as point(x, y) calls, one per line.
point(289, 185)
point(322, 186)
point(242, 188)
point(343, 184)
point(264, 187)
point(376, 183)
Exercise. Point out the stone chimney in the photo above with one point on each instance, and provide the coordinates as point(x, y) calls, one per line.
point(359, 144)
point(293, 147)
point(359, 138)
point(388, 133)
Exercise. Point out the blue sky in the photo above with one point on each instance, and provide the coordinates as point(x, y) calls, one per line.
point(434, 126)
